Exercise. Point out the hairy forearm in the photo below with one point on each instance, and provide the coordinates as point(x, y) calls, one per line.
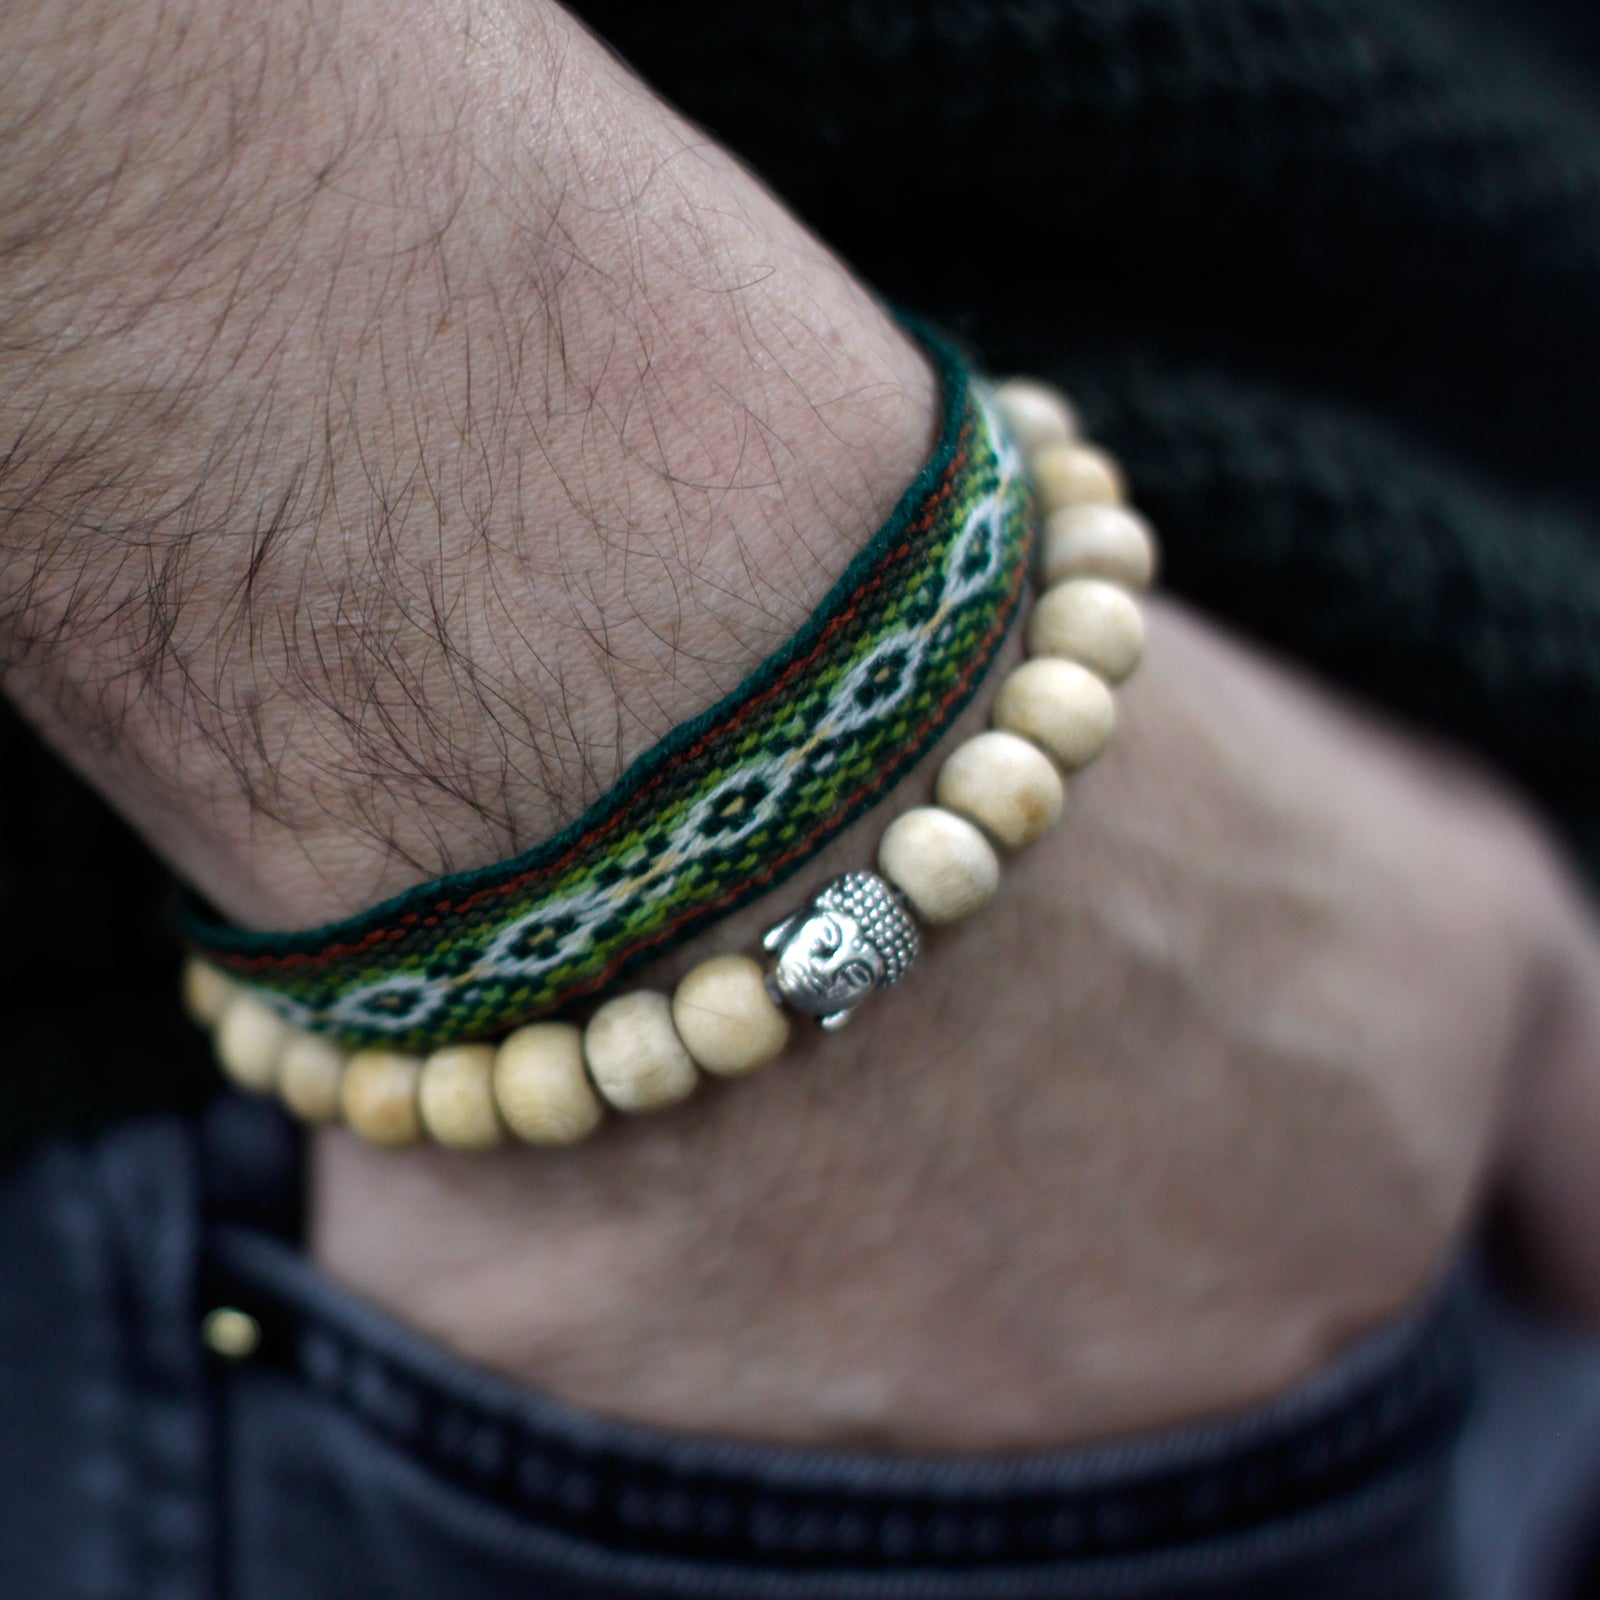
point(406, 418)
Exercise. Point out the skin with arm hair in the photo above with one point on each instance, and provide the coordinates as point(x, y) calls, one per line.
point(408, 421)
point(405, 418)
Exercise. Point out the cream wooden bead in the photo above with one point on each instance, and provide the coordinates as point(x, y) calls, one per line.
point(379, 1095)
point(540, 1086)
point(635, 1057)
point(1075, 474)
point(725, 1017)
point(1089, 621)
point(1099, 541)
point(231, 1333)
point(309, 1076)
point(206, 991)
point(249, 1042)
point(940, 862)
point(1008, 786)
point(1060, 705)
point(1036, 414)
point(455, 1097)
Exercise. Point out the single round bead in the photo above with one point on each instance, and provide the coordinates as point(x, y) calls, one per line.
point(635, 1057)
point(379, 1094)
point(1099, 541)
point(455, 1097)
point(309, 1075)
point(1009, 787)
point(1089, 621)
point(206, 991)
point(231, 1333)
point(1036, 414)
point(249, 1042)
point(941, 863)
point(1060, 705)
point(543, 1093)
point(1075, 474)
point(726, 1019)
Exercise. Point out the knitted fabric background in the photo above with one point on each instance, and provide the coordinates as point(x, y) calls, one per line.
point(1326, 273)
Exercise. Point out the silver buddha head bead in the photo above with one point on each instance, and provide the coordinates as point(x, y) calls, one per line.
point(852, 938)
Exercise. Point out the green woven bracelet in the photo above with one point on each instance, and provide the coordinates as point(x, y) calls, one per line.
point(722, 810)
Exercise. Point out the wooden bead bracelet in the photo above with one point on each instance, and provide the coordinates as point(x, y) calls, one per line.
point(549, 1083)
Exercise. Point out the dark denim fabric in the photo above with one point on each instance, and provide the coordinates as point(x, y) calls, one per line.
point(351, 1458)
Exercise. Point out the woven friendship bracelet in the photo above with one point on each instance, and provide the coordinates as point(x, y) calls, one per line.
point(723, 809)
point(1000, 791)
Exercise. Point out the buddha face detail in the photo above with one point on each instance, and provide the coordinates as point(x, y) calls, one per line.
point(853, 938)
point(825, 965)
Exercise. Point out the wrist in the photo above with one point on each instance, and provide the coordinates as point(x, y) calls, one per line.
point(477, 554)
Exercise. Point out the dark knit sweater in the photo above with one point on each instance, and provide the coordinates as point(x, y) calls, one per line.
point(1326, 273)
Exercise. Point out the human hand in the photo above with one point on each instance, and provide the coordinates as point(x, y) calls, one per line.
point(1212, 1088)
point(389, 405)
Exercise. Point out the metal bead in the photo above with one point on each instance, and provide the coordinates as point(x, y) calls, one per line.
point(853, 938)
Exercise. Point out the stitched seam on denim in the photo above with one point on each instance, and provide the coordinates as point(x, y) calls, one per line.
point(1394, 1421)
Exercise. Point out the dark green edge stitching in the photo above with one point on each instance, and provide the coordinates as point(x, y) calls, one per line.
point(223, 938)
